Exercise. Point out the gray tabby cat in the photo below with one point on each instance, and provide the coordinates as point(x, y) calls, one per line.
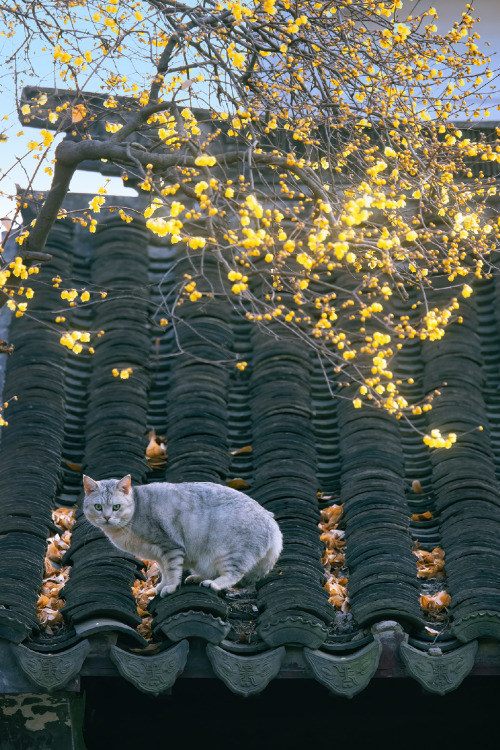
point(220, 535)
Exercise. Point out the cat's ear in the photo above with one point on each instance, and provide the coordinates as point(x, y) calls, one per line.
point(89, 485)
point(125, 484)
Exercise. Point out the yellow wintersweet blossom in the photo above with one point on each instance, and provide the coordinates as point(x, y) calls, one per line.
point(436, 440)
point(47, 137)
point(205, 161)
point(59, 54)
point(69, 294)
point(402, 31)
point(340, 249)
point(18, 268)
point(466, 290)
point(254, 206)
point(96, 203)
point(124, 373)
point(200, 187)
point(162, 227)
point(238, 59)
point(167, 134)
point(176, 208)
point(66, 340)
point(269, 7)
point(149, 211)
point(238, 288)
point(195, 242)
point(71, 340)
point(238, 9)
point(305, 260)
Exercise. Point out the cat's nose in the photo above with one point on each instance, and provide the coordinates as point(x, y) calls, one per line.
point(106, 517)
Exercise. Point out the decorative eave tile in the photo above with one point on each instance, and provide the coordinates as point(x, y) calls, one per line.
point(437, 672)
point(151, 674)
point(345, 675)
point(51, 671)
point(245, 675)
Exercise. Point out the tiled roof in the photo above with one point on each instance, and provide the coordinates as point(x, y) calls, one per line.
point(72, 415)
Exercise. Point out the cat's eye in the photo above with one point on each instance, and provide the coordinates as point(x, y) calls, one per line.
point(116, 507)
point(97, 506)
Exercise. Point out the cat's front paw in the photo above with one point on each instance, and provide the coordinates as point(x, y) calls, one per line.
point(164, 589)
point(209, 584)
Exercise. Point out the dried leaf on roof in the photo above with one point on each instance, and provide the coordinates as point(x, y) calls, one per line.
point(144, 592)
point(330, 517)
point(64, 518)
point(430, 564)
point(333, 558)
point(49, 601)
point(237, 451)
point(333, 539)
point(156, 451)
point(422, 516)
point(73, 467)
point(436, 602)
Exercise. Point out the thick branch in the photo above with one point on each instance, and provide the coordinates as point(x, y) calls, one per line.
point(71, 154)
point(163, 66)
point(35, 243)
point(32, 249)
